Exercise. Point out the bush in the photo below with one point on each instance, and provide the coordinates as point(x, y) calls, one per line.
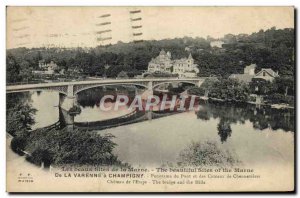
point(40, 155)
point(196, 91)
point(18, 145)
point(71, 147)
point(277, 98)
point(206, 154)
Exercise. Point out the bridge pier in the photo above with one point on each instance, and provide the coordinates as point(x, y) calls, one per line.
point(150, 86)
point(148, 92)
point(68, 101)
point(149, 115)
point(65, 118)
point(199, 83)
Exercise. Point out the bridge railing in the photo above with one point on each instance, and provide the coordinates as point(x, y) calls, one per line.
point(89, 79)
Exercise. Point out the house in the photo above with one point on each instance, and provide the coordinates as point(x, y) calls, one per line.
point(51, 66)
point(46, 69)
point(42, 64)
point(184, 67)
point(217, 43)
point(162, 63)
point(250, 69)
point(266, 74)
point(249, 74)
point(122, 74)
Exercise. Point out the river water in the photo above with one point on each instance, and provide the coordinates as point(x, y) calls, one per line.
point(254, 135)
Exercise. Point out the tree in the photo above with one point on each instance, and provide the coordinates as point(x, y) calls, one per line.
point(285, 85)
point(269, 49)
point(230, 89)
point(262, 87)
point(12, 69)
point(40, 156)
point(26, 70)
point(20, 119)
point(76, 146)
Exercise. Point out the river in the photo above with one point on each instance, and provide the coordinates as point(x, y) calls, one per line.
point(254, 135)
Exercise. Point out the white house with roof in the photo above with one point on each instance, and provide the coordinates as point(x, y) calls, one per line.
point(162, 63)
point(184, 67)
point(217, 43)
point(249, 74)
point(47, 69)
point(266, 74)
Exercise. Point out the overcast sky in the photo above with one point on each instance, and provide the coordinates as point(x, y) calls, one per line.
point(76, 26)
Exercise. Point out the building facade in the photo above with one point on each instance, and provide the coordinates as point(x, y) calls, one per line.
point(217, 43)
point(46, 68)
point(266, 74)
point(249, 74)
point(163, 63)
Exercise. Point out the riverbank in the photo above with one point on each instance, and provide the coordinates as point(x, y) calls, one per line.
point(275, 106)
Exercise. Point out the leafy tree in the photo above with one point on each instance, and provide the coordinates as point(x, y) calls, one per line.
point(19, 119)
point(12, 69)
point(230, 89)
point(285, 85)
point(76, 146)
point(262, 87)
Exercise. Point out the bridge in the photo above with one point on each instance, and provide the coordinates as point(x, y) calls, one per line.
point(68, 90)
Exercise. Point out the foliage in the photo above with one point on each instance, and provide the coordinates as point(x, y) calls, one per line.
point(40, 155)
point(76, 146)
point(12, 69)
point(281, 90)
point(229, 89)
point(205, 88)
point(19, 118)
point(262, 87)
point(206, 153)
point(285, 85)
point(277, 98)
point(18, 145)
point(269, 49)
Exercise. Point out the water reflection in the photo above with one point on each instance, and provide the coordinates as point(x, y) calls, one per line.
point(262, 117)
point(159, 141)
point(92, 97)
point(224, 130)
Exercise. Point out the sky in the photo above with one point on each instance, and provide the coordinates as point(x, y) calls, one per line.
point(77, 26)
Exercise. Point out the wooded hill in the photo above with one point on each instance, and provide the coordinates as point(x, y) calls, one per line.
point(268, 49)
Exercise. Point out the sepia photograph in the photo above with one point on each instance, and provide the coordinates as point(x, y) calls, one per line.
point(150, 99)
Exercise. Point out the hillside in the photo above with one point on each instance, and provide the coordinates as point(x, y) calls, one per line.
point(269, 49)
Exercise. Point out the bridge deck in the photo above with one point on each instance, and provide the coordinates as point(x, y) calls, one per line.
point(13, 88)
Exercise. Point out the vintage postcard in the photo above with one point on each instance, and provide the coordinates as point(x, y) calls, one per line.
point(150, 99)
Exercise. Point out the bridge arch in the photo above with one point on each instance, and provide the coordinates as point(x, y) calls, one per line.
point(51, 90)
point(79, 89)
point(165, 82)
